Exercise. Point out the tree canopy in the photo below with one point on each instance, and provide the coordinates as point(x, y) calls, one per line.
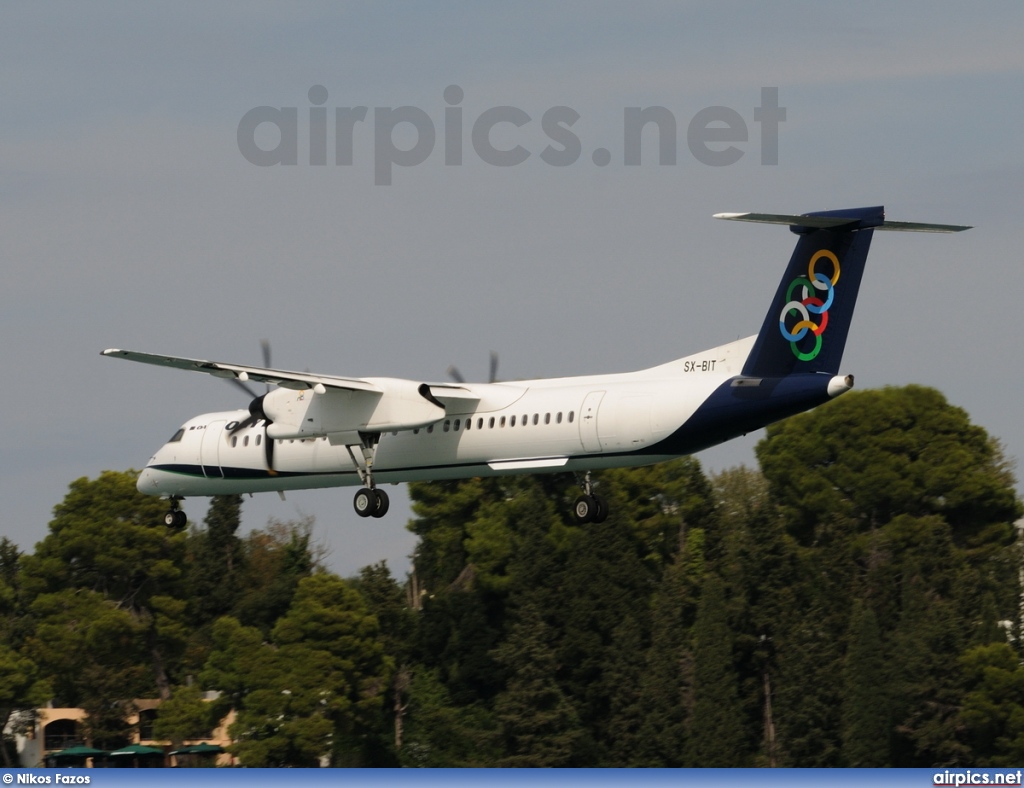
point(853, 601)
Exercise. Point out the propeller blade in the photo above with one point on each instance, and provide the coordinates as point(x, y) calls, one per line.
point(247, 389)
point(455, 375)
point(265, 347)
point(268, 448)
point(255, 414)
point(244, 424)
point(494, 368)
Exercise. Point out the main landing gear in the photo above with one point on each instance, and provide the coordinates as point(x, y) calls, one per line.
point(589, 507)
point(175, 518)
point(369, 501)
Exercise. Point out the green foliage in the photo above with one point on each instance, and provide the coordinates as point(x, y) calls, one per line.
point(184, 716)
point(108, 538)
point(869, 456)
point(846, 604)
point(866, 724)
point(539, 724)
point(216, 562)
point(993, 707)
point(94, 655)
point(443, 734)
point(275, 560)
point(22, 689)
point(716, 735)
point(320, 679)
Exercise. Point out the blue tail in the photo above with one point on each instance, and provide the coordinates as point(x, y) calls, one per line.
point(806, 327)
point(803, 334)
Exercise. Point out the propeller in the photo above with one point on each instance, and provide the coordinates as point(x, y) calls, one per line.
point(256, 412)
point(492, 377)
point(249, 390)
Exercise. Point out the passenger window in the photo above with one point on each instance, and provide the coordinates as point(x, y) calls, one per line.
point(480, 423)
point(490, 423)
point(512, 422)
point(457, 423)
point(416, 432)
point(571, 414)
point(469, 424)
point(259, 439)
point(177, 436)
point(526, 419)
point(447, 425)
point(234, 441)
point(430, 428)
point(502, 422)
point(245, 441)
point(535, 417)
point(547, 418)
point(558, 418)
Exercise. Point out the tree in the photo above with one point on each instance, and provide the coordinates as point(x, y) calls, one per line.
point(185, 715)
point(108, 539)
point(993, 706)
point(666, 689)
point(539, 724)
point(307, 695)
point(893, 498)
point(868, 456)
point(215, 566)
point(716, 735)
point(866, 724)
point(275, 559)
point(441, 733)
point(22, 688)
point(94, 656)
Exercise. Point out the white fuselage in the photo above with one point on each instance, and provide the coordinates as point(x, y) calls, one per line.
point(548, 425)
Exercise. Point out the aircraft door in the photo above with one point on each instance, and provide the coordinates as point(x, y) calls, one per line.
point(588, 421)
point(209, 451)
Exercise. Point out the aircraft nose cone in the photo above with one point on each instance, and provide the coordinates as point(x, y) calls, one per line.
point(147, 483)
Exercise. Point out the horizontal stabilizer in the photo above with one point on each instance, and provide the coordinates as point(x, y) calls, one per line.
point(828, 220)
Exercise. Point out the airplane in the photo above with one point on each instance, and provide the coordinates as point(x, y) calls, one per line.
point(315, 431)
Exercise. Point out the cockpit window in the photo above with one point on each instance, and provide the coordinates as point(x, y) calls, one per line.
point(177, 436)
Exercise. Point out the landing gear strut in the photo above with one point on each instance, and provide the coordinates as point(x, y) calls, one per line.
point(175, 518)
point(589, 507)
point(369, 501)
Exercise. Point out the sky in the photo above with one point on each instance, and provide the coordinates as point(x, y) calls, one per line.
point(131, 216)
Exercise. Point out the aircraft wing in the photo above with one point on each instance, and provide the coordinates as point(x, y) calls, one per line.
point(282, 378)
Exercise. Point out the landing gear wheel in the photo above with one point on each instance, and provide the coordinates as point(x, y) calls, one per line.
point(383, 504)
point(176, 519)
point(602, 509)
point(585, 509)
point(365, 502)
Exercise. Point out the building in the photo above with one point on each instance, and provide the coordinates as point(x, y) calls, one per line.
point(57, 729)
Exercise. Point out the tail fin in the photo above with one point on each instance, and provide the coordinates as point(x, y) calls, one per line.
point(809, 319)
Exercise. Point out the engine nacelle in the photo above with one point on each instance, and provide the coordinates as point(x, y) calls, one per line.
point(400, 405)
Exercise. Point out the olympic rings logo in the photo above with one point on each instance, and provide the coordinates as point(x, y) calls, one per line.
point(812, 310)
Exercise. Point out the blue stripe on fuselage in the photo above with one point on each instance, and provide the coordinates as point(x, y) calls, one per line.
point(742, 405)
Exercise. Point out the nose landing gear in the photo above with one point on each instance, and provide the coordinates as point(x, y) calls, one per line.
point(589, 507)
point(175, 518)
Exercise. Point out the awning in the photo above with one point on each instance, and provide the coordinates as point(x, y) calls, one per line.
point(136, 750)
point(199, 749)
point(81, 751)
